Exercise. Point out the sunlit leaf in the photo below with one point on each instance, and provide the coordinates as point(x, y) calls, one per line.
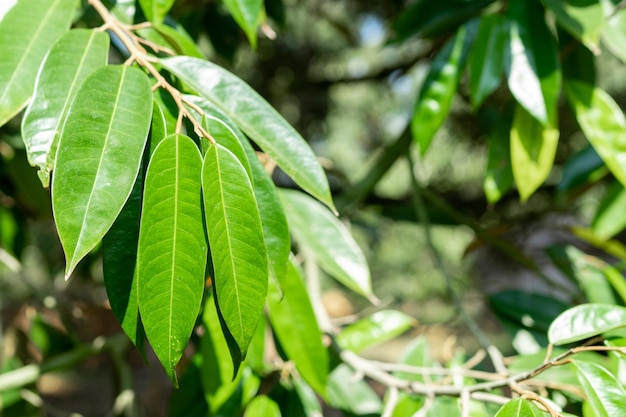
point(519, 407)
point(172, 249)
point(262, 406)
point(584, 321)
point(314, 227)
point(380, 327)
point(70, 61)
point(246, 14)
point(156, 10)
point(602, 122)
point(257, 119)
point(27, 31)
point(605, 394)
point(584, 20)
point(486, 60)
point(98, 157)
point(237, 247)
point(614, 34)
point(294, 323)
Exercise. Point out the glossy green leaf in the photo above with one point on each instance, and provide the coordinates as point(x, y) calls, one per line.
point(172, 249)
point(486, 60)
point(584, 321)
point(275, 229)
point(533, 148)
point(70, 61)
point(27, 31)
point(354, 396)
point(436, 94)
point(226, 137)
point(295, 325)
point(378, 328)
point(583, 19)
point(605, 394)
point(98, 156)
point(499, 176)
point(602, 122)
point(171, 37)
point(519, 407)
point(237, 247)
point(314, 227)
point(531, 61)
point(156, 10)
point(159, 128)
point(262, 406)
point(610, 218)
point(614, 34)
point(257, 119)
point(246, 13)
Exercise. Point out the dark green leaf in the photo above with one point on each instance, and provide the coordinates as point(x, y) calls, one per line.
point(98, 156)
point(380, 327)
point(172, 249)
point(583, 19)
point(257, 119)
point(499, 175)
point(584, 321)
point(246, 13)
point(156, 10)
point(583, 167)
point(605, 394)
point(486, 59)
point(72, 58)
point(534, 311)
point(237, 245)
point(27, 31)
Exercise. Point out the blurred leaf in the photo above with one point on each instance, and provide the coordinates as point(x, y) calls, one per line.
point(533, 311)
point(49, 339)
point(156, 10)
point(27, 31)
point(612, 247)
point(314, 227)
point(378, 328)
point(616, 279)
point(96, 172)
point(237, 247)
point(602, 122)
point(257, 119)
point(531, 61)
point(499, 176)
point(585, 166)
point(614, 34)
point(606, 396)
point(584, 321)
point(444, 406)
point(486, 59)
point(72, 58)
point(310, 404)
point(610, 218)
point(189, 400)
point(583, 19)
point(179, 39)
point(577, 61)
point(172, 249)
point(295, 325)
point(355, 397)
point(533, 148)
point(246, 13)
point(439, 87)
point(407, 405)
point(519, 407)
point(262, 406)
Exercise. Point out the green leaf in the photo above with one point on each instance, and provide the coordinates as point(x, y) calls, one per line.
point(237, 247)
point(159, 128)
point(533, 148)
point(585, 166)
point(70, 61)
point(98, 157)
point(533, 311)
point(294, 323)
point(436, 94)
point(262, 406)
point(156, 10)
point(499, 176)
point(605, 394)
point(486, 59)
point(257, 119)
point(172, 249)
point(27, 31)
point(175, 38)
point(519, 407)
point(584, 20)
point(614, 34)
point(610, 218)
point(352, 395)
point(584, 321)
point(314, 227)
point(309, 401)
point(602, 122)
point(246, 13)
point(378, 328)
point(531, 61)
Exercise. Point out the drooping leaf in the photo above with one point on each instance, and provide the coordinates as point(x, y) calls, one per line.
point(486, 59)
point(98, 156)
point(602, 122)
point(519, 407)
point(156, 10)
point(294, 323)
point(27, 31)
point(314, 227)
point(237, 247)
point(436, 94)
point(531, 61)
point(72, 58)
point(533, 148)
point(225, 136)
point(614, 34)
point(257, 119)
point(605, 394)
point(262, 406)
point(610, 218)
point(172, 249)
point(584, 321)
point(188, 400)
point(380, 327)
point(246, 13)
point(499, 176)
point(584, 20)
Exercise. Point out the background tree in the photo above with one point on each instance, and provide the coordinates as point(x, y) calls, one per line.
point(157, 159)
